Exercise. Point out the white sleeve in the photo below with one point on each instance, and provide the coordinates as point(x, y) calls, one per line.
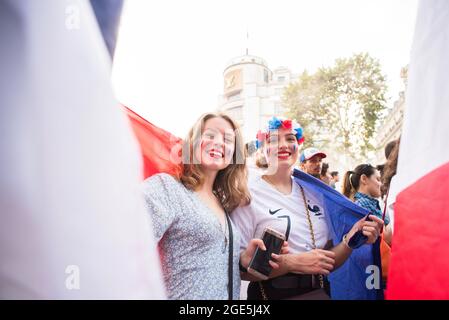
point(244, 219)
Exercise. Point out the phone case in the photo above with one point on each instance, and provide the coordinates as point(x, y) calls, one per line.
point(255, 272)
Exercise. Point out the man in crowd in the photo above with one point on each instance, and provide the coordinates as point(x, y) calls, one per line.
point(335, 179)
point(311, 161)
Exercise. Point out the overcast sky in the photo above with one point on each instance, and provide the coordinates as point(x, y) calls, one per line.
point(171, 54)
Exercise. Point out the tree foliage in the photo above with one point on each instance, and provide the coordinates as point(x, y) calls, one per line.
point(339, 105)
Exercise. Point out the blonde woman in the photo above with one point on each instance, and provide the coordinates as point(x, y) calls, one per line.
point(199, 247)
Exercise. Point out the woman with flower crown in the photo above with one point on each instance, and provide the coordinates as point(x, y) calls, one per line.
point(198, 245)
point(279, 203)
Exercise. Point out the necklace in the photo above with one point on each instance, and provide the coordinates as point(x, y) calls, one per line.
point(312, 232)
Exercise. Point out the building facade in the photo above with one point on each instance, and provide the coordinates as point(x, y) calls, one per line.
point(252, 92)
point(391, 127)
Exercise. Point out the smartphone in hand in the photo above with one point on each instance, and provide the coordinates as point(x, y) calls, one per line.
point(359, 239)
point(259, 265)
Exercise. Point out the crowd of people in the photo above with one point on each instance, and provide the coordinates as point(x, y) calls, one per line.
point(78, 223)
point(209, 220)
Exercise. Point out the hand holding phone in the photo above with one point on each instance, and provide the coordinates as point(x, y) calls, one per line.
point(259, 265)
point(359, 239)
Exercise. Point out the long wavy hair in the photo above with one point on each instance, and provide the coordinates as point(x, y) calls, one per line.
point(230, 185)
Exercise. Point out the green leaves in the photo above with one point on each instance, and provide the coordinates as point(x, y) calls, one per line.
point(339, 105)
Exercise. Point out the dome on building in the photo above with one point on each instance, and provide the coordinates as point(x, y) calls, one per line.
point(245, 59)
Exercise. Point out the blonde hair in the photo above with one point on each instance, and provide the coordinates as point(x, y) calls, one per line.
point(230, 185)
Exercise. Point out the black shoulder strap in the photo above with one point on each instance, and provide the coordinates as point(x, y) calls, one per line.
point(230, 260)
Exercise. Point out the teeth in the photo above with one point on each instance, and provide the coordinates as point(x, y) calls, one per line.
point(216, 154)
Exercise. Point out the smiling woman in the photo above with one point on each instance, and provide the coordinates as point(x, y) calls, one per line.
point(215, 146)
point(291, 209)
point(190, 214)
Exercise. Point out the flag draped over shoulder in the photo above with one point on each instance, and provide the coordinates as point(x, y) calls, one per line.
point(348, 281)
point(420, 254)
point(160, 149)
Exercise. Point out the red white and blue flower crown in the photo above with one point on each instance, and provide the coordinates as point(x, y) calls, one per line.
point(277, 123)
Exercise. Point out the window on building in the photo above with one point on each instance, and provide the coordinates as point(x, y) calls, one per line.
point(281, 79)
point(265, 75)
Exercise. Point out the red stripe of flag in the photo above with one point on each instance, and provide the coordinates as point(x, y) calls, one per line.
point(420, 251)
point(160, 149)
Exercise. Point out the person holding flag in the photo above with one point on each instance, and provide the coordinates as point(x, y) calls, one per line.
point(295, 205)
point(363, 186)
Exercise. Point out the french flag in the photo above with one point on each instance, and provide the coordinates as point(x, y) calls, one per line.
point(160, 150)
point(420, 252)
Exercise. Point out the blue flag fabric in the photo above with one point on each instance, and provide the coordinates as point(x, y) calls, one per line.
point(108, 14)
point(349, 282)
